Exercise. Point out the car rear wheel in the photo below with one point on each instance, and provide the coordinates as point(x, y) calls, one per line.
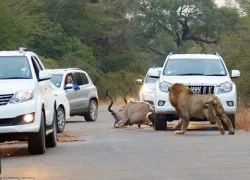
point(160, 122)
point(91, 115)
point(36, 141)
point(60, 120)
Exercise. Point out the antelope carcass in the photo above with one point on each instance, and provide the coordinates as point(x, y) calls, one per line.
point(134, 112)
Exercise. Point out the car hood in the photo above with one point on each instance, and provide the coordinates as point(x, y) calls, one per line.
point(196, 80)
point(12, 86)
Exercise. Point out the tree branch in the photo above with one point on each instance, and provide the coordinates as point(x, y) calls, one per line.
point(156, 51)
point(199, 39)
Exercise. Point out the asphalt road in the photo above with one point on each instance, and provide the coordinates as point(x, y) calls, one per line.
point(97, 151)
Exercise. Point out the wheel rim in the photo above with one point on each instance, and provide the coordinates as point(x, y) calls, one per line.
point(61, 119)
point(93, 110)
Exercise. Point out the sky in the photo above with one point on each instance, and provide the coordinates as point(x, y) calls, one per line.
point(220, 2)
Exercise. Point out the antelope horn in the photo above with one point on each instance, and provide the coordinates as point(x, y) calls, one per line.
point(109, 107)
point(111, 102)
point(125, 95)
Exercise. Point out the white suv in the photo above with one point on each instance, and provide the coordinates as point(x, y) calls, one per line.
point(27, 101)
point(204, 74)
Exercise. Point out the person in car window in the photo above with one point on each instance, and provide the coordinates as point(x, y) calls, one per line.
point(70, 80)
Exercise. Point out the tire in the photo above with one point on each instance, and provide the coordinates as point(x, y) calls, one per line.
point(91, 115)
point(60, 119)
point(232, 119)
point(51, 140)
point(160, 122)
point(36, 141)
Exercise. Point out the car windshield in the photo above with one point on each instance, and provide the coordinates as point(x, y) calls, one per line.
point(194, 67)
point(151, 79)
point(56, 79)
point(14, 67)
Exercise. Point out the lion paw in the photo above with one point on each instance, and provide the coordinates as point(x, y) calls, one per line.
point(231, 132)
point(179, 132)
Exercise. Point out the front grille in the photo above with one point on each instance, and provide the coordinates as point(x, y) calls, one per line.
point(202, 89)
point(5, 98)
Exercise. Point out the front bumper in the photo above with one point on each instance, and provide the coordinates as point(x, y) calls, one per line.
point(228, 100)
point(10, 117)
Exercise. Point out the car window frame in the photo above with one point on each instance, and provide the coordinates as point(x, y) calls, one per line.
point(77, 78)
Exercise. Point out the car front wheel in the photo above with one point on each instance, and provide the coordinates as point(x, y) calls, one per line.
point(160, 122)
point(36, 141)
point(60, 120)
point(91, 115)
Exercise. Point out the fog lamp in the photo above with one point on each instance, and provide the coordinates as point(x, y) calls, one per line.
point(161, 103)
point(28, 118)
point(230, 103)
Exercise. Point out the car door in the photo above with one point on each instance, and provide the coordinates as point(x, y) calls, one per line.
point(81, 80)
point(46, 91)
point(72, 95)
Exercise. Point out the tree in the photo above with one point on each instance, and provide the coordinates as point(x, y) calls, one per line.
point(17, 23)
point(185, 20)
point(234, 47)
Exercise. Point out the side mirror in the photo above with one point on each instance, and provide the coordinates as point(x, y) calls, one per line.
point(139, 81)
point(44, 75)
point(235, 74)
point(69, 86)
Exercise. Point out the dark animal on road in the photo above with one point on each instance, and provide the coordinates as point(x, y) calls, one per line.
point(134, 112)
point(188, 104)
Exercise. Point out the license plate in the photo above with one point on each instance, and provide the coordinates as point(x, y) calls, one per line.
point(202, 89)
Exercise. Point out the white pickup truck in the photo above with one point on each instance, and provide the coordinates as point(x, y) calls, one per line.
point(204, 74)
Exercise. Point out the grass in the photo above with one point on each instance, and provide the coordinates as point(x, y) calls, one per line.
point(242, 118)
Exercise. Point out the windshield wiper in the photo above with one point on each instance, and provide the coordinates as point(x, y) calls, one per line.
point(191, 74)
point(214, 74)
point(15, 78)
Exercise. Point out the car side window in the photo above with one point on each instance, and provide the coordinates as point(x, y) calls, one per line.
point(38, 62)
point(85, 79)
point(77, 78)
point(36, 65)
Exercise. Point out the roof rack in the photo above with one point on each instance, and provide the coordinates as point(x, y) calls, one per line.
point(216, 53)
point(23, 49)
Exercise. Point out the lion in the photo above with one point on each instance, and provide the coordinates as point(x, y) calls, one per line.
point(188, 104)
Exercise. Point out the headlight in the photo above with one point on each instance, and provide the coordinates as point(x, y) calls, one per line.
point(21, 96)
point(164, 86)
point(225, 87)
